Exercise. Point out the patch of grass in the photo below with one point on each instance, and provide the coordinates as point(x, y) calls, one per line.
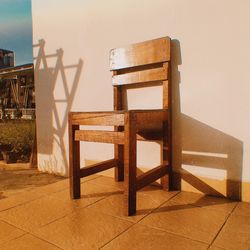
point(20, 135)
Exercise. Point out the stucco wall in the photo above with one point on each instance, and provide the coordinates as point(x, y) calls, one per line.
point(211, 77)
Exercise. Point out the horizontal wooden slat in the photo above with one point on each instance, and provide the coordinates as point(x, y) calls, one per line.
point(151, 176)
point(151, 119)
point(104, 119)
point(151, 135)
point(144, 53)
point(99, 136)
point(143, 136)
point(150, 75)
point(98, 167)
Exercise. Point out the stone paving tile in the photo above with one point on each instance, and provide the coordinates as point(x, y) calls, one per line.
point(172, 220)
point(215, 248)
point(114, 205)
point(90, 193)
point(154, 192)
point(9, 232)
point(27, 242)
point(90, 177)
point(196, 223)
point(85, 229)
point(54, 187)
point(18, 199)
point(157, 194)
point(32, 194)
point(141, 237)
point(235, 234)
point(109, 181)
point(36, 213)
point(243, 209)
point(201, 200)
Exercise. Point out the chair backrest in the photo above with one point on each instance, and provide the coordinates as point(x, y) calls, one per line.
point(141, 65)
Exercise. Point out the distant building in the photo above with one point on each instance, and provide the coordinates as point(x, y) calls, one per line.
point(7, 58)
point(17, 91)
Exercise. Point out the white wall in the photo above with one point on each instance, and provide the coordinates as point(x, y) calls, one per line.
point(211, 96)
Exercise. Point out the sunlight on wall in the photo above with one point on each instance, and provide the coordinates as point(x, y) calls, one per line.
point(210, 74)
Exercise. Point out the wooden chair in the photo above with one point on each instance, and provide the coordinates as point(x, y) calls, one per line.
point(139, 65)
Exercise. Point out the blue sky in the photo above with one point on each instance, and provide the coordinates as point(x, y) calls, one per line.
point(16, 29)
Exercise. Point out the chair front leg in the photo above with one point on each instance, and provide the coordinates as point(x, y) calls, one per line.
point(74, 162)
point(119, 169)
point(130, 164)
point(165, 159)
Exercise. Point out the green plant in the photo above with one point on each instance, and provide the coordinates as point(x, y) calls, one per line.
point(20, 135)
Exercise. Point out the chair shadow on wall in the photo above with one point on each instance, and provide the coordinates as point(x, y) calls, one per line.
point(200, 146)
point(52, 110)
point(194, 143)
point(203, 147)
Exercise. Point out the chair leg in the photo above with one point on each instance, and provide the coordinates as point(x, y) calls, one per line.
point(130, 164)
point(165, 157)
point(165, 182)
point(74, 163)
point(119, 169)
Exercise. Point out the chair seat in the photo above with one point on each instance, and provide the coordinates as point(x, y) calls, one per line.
point(149, 124)
point(146, 120)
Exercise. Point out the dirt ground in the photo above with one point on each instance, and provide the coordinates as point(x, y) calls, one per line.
point(15, 178)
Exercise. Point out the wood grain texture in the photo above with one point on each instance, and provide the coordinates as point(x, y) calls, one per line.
point(118, 149)
point(99, 136)
point(165, 155)
point(166, 146)
point(149, 75)
point(148, 52)
point(151, 118)
point(164, 149)
point(102, 119)
point(149, 135)
point(170, 132)
point(98, 167)
point(74, 161)
point(151, 176)
point(130, 164)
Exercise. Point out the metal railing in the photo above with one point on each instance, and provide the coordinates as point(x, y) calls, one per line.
point(10, 113)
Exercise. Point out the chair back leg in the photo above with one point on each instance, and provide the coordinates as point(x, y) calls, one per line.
point(74, 162)
point(130, 164)
point(119, 156)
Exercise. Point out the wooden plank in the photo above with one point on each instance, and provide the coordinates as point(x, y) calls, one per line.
point(148, 52)
point(151, 118)
point(74, 161)
point(119, 155)
point(117, 91)
point(130, 164)
point(103, 119)
point(166, 147)
point(98, 167)
point(170, 133)
point(150, 75)
point(165, 155)
point(118, 149)
point(149, 135)
point(100, 136)
point(165, 88)
point(151, 176)
point(83, 115)
point(165, 130)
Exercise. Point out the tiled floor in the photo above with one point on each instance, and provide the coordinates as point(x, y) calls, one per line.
point(46, 218)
